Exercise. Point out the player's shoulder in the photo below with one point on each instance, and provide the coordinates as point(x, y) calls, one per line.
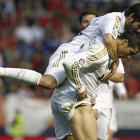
point(113, 14)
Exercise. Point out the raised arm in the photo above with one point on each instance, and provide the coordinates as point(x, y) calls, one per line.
point(109, 28)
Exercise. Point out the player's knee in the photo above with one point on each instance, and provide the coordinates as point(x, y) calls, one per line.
point(48, 81)
point(50, 84)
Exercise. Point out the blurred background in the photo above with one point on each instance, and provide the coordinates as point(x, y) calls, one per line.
point(30, 31)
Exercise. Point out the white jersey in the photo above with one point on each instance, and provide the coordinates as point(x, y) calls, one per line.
point(112, 23)
point(86, 69)
point(104, 91)
point(119, 89)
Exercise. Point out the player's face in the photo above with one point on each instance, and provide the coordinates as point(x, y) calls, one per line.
point(126, 52)
point(135, 25)
point(132, 25)
point(85, 20)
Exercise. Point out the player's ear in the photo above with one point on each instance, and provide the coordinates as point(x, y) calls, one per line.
point(124, 42)
point(131, 17)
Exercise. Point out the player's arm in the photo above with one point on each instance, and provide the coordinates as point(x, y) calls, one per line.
point(80, 61)
point(72, 66)
point(111, 46)
point(109, 28)
point(121, 90)
point(116, 77)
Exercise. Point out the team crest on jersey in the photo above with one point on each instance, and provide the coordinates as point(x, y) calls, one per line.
point(81, 61)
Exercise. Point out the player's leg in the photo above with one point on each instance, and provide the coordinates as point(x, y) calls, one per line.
point(62, 129)
point(95, 111)
point(26, 76)
point(111, 134)
point(103, 123)
point(70, 137)
point(113, 124)
point(21, 75)
point(83, 123)
point(48, 81)
point(31, 77)
point(52, 77)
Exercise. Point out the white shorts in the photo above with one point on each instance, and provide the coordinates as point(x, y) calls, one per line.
point(113, 123)
point(55, 66)
point(62, 114)
point(103, 122)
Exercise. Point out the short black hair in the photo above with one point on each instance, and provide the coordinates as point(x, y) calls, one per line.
point(134, 9)
point(133, 37)
point(87, 12)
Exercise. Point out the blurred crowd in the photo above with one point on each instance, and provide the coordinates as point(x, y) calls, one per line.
point(31, 30)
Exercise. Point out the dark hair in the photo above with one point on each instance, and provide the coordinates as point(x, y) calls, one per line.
point(86, 12)
point(133, 38)
point(134, 9)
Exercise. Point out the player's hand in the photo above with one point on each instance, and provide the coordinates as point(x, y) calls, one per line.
point(113, 67)
point(82, 95)
point(124, 97)
point(105, 75)
point(93, 101)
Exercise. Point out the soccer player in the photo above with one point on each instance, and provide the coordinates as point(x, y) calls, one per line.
point(122, 93)
point(85, 71)
point(55, 71)
point(85, 17)
point(108, 26)
point(104, 102)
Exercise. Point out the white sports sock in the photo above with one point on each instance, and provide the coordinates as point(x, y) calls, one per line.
point(21, 75)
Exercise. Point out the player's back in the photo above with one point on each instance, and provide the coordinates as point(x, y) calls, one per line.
point(110, 23)
point(90, 76)
point(102, 25)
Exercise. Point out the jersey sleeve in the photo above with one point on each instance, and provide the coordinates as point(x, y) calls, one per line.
point(110, 24)
point(120, 89)
point(82, 60)
point(120, 68)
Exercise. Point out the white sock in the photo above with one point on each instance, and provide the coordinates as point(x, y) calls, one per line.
point(21, 75)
